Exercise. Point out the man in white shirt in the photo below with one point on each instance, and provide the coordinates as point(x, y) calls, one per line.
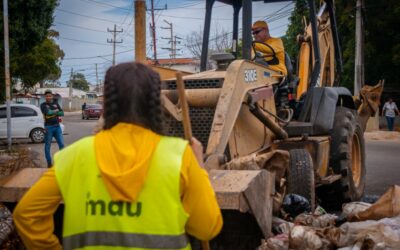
point(389, 110)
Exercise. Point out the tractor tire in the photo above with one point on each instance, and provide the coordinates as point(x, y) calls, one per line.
point(300, 176)
point(347, 156)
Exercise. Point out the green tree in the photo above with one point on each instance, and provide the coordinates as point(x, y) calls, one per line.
point(41, 64)
point(29, 22)
point(295, 28)
point(381, 43)
point(78, 81)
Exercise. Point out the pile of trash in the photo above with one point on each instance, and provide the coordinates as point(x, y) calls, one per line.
point(360, 225)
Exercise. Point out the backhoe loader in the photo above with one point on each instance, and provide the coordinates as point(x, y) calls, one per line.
point(267, 135)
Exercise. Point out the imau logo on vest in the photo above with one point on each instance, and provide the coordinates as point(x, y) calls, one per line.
point(113, 208)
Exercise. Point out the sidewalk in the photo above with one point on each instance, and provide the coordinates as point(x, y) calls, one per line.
point(70, 113)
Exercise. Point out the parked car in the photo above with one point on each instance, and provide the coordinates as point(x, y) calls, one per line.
point(26, 122)
point(92, 111)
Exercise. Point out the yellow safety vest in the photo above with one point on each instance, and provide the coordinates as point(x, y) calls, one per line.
point(93, 221)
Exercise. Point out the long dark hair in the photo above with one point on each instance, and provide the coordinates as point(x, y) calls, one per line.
point(132, 95)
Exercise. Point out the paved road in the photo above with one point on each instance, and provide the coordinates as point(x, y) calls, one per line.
point(383, 165)
point(75, 129)
point(383, 157)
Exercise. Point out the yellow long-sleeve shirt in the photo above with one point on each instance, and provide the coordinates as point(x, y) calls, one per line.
point(33, 216)
point(277, 45)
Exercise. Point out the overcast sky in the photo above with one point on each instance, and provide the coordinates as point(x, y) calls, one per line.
point(83, 24)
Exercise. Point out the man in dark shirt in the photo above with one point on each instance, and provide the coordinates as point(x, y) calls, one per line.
point(51, 111)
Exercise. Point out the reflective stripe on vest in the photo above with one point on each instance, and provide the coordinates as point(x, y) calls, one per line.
point(125, 240)
point(93, 221)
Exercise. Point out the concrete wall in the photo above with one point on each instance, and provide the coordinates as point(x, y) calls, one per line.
point(76, 103)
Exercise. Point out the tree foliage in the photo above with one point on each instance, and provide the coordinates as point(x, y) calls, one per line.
point(295, 28)
point(78, 81)
point(381, 41)
point(29, 23)
point(40, 64)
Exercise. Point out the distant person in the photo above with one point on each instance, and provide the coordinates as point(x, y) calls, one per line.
point(83, 106)
point(128, 186)
point(51, 112)
point(271, 48)
point(390, 110)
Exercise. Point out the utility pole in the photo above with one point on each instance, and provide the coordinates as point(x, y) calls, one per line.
point(114, 41)
point(173, 40)
point(70, 88)
point(175, 43)
point(7, 72)
point(153, 30)
point(97, 80)
point(140, 30)
point(359, 60)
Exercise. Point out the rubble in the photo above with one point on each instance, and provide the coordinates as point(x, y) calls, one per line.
point(366, 226)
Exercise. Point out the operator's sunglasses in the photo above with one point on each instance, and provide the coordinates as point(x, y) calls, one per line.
point(256, 32)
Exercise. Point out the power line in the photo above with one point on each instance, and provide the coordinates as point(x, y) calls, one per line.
point(80, 27)
point(107, 4)
point(89, 42)
point(96, 18)
point(99, 56)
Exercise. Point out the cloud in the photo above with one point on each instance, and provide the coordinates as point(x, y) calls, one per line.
point(83, 28)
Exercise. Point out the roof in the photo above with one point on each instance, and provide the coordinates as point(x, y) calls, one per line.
point(176, 61)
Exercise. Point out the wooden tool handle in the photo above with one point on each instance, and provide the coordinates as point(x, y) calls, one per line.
point(186, 125)
point(185, 107)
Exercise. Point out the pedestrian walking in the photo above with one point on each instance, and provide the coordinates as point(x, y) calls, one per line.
point(389, 110)
point(128, 186)
point(51, 112)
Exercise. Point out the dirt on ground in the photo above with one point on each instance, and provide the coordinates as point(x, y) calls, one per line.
point(383, 135)
point(16, 159)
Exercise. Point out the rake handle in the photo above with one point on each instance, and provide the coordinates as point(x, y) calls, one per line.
point(187, 127)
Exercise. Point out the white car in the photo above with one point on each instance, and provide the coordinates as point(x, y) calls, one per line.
point(26, 122)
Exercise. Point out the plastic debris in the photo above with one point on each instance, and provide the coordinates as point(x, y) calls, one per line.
point(326, 220)
point(370, 198)
point(352, 208)
point(387, 206)
point(303, 237)
point(294, 204)
point(319, 210)
point(382, 234)
point(280, 226)
point(278, 242)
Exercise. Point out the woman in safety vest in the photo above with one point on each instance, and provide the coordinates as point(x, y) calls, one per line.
point(128, 185)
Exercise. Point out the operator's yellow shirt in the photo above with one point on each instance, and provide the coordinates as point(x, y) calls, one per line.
point(277, 45)
point(33, 216)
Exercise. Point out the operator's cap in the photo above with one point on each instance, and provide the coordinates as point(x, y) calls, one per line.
point(259, 24)
point(48, 91)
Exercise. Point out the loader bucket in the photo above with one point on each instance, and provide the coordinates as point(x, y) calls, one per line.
point(247, 191)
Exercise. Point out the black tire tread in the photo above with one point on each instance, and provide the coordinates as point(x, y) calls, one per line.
point(346, 124)
point(300, 176)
